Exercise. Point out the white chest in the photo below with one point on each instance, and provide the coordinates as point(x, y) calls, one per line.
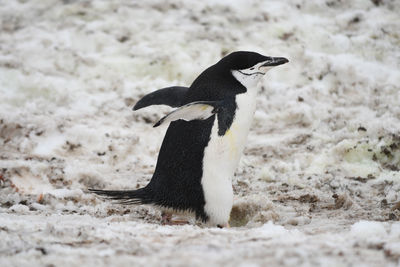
point(221, 158)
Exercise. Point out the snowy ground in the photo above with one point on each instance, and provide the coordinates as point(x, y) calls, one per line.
point(319, 183)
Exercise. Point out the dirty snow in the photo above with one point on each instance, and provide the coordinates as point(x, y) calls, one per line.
point(319, 181)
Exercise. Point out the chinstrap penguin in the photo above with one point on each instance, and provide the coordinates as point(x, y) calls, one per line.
point(205, 139)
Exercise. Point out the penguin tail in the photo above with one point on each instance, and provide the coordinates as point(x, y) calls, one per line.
point(139, 196)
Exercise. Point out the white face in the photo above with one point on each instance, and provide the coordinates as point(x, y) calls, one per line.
point(251, 76)
point(257, 69)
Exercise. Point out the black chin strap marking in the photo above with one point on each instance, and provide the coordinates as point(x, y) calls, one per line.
point(251, 73)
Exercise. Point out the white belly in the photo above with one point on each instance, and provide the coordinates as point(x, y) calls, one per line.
point(221, 157)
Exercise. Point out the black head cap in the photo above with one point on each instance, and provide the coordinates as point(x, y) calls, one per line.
point(240, 60)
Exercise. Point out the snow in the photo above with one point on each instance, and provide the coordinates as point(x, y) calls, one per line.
point(319, 180)
point(366, 229)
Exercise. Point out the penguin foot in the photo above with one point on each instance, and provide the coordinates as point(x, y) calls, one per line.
point(178, 222)
point(166, 219)
point(223, 226)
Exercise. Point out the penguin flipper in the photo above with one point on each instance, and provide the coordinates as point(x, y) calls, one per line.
point(199, 110)
point(170, 96)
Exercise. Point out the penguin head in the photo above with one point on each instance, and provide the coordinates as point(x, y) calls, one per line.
point(251, 63)
point(244, 67)
point(248, 67)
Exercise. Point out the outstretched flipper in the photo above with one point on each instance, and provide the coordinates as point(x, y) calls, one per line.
point(200, 110)
point(170, 96)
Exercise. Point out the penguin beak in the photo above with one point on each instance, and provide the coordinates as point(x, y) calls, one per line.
point(275, 61)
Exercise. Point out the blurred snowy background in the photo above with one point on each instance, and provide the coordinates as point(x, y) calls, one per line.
point(319, 181)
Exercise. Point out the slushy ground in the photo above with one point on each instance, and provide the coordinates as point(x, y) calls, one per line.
point(319, 180)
